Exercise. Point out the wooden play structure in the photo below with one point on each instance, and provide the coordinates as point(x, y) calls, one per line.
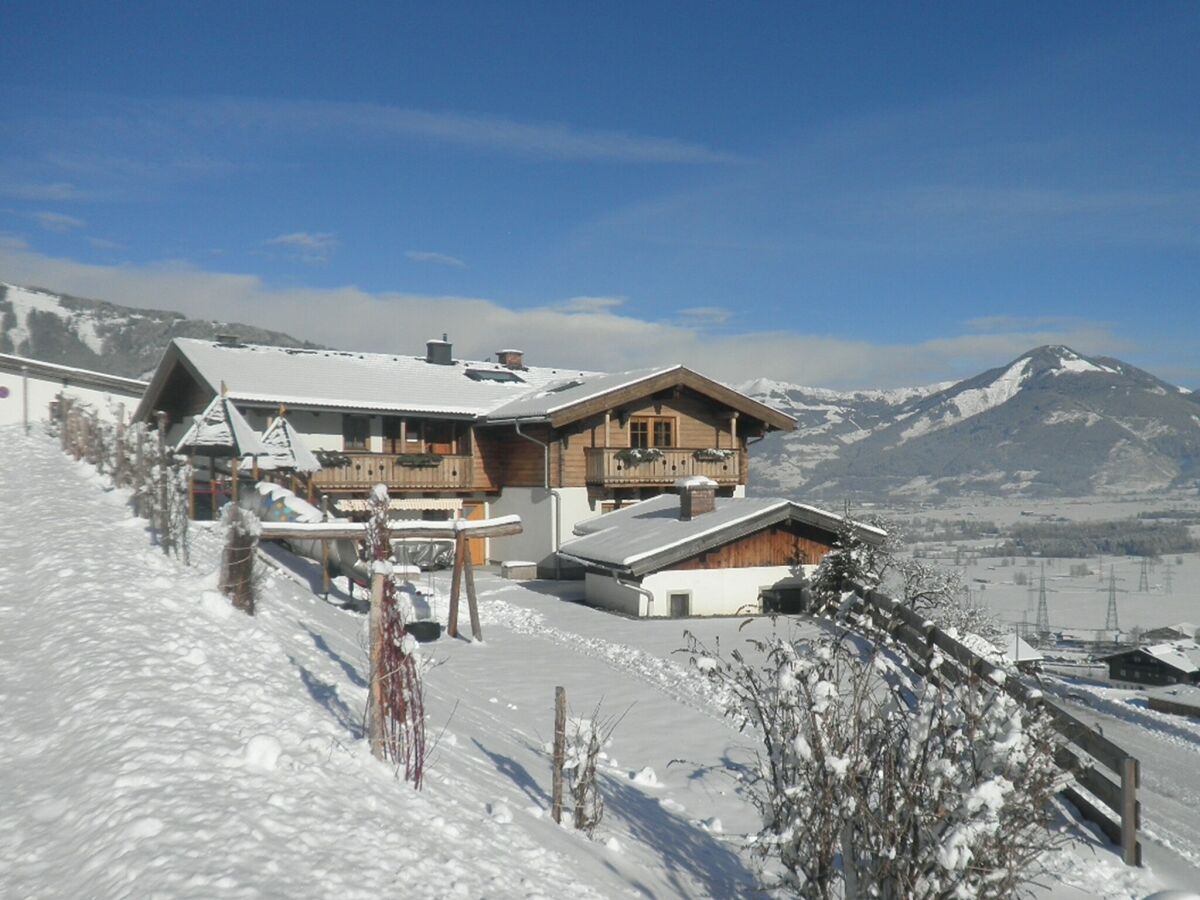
point(459, 530)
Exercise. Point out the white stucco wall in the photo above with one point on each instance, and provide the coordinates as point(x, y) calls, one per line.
point(43, 390)
point(536, 507)
point(714, 592)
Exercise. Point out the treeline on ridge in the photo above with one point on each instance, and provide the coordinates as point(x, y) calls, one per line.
point(1125, 537)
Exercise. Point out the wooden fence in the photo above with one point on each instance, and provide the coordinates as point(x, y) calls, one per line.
point(1103, 768)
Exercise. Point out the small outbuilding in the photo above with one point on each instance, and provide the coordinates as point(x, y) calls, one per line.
point(1173, 662)
point(692, 553)
point(1177, 699)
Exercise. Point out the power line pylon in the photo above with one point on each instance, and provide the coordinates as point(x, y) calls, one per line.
point(1144, 577)
point(1043, 609)
point(1110, 621)
point(1169, 580)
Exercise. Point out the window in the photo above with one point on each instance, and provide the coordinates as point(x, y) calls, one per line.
point(356, 433)
point(501, 375)
point(651, 431)
point(391, 436)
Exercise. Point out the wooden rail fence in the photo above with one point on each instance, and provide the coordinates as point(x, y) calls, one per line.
point(1084, 753)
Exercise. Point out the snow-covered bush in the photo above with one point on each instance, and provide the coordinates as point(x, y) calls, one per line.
point(396, 710)
point(238, 576)
point(872, 782)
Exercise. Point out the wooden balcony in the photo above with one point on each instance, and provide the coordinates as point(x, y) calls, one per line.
point(611, 467)
point(365, 470)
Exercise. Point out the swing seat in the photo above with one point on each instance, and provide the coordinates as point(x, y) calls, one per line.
point(425, 630)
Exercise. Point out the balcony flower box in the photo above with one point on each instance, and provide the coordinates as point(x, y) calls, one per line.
point(634, 456)
point(331, 459)
point(419, 460)
point(713, 455)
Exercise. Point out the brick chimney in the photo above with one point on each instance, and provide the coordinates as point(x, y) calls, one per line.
point(439, 353)
point(511, 359)
point(697, 495)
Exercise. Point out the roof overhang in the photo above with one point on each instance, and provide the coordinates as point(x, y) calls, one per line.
point(652, 383)
point(68, 375)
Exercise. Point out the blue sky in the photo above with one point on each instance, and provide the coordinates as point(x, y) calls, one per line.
point(848, 195)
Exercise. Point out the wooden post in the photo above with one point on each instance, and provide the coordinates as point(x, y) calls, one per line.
point(164, 480)
point(192, 493)
point(849, 872)
point(560, 752)
point(472, 605)
point(139, 470)
point(1130, 849)
point(607, 428)
point(119, 462)
point(456, 584)
point(233, 477)
point(375, 701)
point(325, 547)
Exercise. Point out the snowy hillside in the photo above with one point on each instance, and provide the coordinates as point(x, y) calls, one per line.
point(103, 337)
point(159, 744)
point(1051, 423)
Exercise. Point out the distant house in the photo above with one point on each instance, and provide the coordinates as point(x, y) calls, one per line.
point(1178, 631)
point(29, 386)
point(1020, 653)
point(453, 437)
point(692, 553)
point(1174, 662)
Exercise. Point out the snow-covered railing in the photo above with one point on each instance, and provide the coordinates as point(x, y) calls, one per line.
point(1089, 751)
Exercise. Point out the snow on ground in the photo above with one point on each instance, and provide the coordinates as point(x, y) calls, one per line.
point(156, 743)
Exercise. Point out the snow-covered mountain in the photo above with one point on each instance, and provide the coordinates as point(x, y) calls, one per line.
point(1052, 422)
point(105, 337)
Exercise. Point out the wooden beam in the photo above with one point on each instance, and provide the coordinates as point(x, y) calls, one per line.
point(460, 546)
point(275, 531)
point(472, 603)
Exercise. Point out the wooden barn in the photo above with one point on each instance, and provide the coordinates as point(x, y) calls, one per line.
point(1176, 662)
point(692, 553)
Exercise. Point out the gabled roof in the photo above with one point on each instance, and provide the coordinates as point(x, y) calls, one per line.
point(286, 449)
point(649, 536)
point(378, 382)
point(221, 430)
point(1183, 656)
point(568, 400)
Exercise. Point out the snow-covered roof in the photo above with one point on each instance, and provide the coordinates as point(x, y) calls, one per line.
point(382, 382)
point(1017, 650)
point(222, 428)
point(286, 449)
point(566, 392)
point(649, 535)
point(1183, 656)
point(37, 368)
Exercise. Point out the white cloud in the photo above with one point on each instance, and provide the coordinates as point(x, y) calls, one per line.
point(57, 222)
point(105, 244)
point(583, 332)
point(439, 259)
point(307, 245)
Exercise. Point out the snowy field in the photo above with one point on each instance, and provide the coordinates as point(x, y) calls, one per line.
point(158, 744)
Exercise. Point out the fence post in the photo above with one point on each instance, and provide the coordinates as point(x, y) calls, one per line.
point(325, 547)
point(164, 498)
point(375, 697)
point(139, 473)
point(1130, 849)
point(560, 752)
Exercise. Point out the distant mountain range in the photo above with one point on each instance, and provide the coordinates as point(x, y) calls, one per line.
point(105, 337)
point(1050, 423)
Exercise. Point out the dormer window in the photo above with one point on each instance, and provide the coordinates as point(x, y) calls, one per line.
point(503, 376)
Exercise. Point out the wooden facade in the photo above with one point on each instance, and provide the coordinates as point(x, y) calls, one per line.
point(784, 544)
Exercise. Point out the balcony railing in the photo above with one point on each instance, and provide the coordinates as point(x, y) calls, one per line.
point(364, 470)
point(613, 466)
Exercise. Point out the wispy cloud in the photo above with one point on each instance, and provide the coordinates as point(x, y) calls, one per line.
point(105, 244)
point(1006, 323)
point(438, 259)
point(589, 305)
point(57, 222)
point(309, 246)
point(704, 316)
point(54, 190)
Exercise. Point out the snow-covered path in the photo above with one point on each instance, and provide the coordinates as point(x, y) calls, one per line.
point(157, 743)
